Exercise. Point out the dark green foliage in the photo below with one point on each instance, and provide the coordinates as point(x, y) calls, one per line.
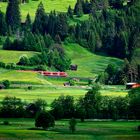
point(28, 23)
point(63, 107)
point(57, 58)
point(134, 95)
point(70, 12)
point(7, 44)
point(72, 125)
point(13, 15)
point(37, 106)
point(78, 10)
point(40, 20)
point(12, 107)
point(3, 26)
point(44, 120)
point(6, 84)
point(24, 60)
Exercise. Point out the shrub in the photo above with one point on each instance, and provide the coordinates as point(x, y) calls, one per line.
point(138, 128)
point(6, 84)
point(6, 123)
point(44, 120)
point(24, 60)
point(72, 125)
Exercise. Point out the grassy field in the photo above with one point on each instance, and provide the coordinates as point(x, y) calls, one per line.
point(49, 5)
point(8, 56)
point(21, 77)
point(89, 65)
point(20, 129)
point(51, 92)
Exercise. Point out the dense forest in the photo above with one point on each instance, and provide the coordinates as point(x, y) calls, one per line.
point(112, 29)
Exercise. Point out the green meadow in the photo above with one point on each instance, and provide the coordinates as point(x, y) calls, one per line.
point(89, 130)
point(8, 56)
point(51, 92)
point(49, 5)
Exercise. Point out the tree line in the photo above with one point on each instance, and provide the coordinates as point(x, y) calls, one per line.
point(92, 106)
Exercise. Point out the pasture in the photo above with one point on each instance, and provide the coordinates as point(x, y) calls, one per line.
point(49, 5)
point(89, 130)
point(51, 92)
point(89, 64)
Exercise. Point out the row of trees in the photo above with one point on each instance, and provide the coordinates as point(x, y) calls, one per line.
point(92, 105)
point(129, 72)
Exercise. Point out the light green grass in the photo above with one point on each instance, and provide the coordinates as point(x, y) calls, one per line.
point(21, 77)
point(8, 56)
point(76, 19)
point(51, 92)
point(49, 5)
point(89, 64)
point(19, 129)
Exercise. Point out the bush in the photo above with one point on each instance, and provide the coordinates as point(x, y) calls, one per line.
point(6, 84)
point(138, 128)
point(44, 120)
point(6, 123)
point(24, 60)
point(40, 67)
point(72, 125)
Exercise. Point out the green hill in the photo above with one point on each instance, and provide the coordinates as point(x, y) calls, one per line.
point(57, 5)
point(89, 64)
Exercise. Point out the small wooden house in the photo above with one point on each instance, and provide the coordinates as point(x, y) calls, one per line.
point(74, 67)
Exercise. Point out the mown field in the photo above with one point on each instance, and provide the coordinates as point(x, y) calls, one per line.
point(49, 5)
point(8, 56)
point(89, 64)
point(89, 130)
point(51, 92)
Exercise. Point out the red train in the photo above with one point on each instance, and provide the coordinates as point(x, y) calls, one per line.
point(53, 74)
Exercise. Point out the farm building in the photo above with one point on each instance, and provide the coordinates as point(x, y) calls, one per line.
point(74, 67)
point(132, 85)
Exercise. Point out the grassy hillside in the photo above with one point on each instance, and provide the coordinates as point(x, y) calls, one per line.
point(21, 129)
point(57, 5)
point(89, 64)
point(21, 77)
point(7, 56)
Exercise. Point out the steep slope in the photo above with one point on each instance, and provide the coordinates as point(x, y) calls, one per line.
point(89, 65)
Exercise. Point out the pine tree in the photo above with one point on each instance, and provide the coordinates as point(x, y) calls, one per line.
point(28, 22)
point(57, 39)
point(70, 12)
point(13, 15)
point(62, 26)
point(7, 44)
point(78, 10)
point(39, 19)
point(3, 28)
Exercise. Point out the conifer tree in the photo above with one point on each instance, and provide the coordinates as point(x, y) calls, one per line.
point(3, 28)
point(62, 26)
point(39, 19)
point(70, 12)
point(78, 10)
point(7, 44)
point(28, 22)
point(13, 15)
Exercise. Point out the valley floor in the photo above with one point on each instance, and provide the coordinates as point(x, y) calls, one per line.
point(20, 129)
